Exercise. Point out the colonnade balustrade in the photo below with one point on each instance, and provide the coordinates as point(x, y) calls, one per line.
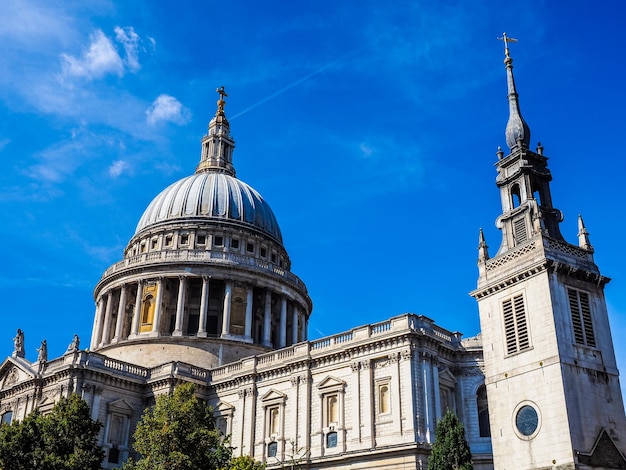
point(197, 306)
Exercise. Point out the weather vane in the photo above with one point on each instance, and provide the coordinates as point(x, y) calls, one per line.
point(506, 39)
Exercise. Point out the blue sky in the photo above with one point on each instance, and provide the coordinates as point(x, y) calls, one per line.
point(370, 130)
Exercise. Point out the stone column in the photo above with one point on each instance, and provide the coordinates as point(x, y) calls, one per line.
point(180, 306)
point(97, 324)
point(394, 382)
point(267, 320)
point(405, 367)
point(204, 307)
point(107, 320)
point(436, 393)
point(282, 342)
point(249, 299)
point(121, 315)
point(355, 403)
point(137, 314)
point(368, 435)
point(156, 320)
point(305, 327)
point(294, 325)
point(429, 428)
point(226, 313)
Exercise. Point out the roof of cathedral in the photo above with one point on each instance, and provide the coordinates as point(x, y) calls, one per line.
point(213, 193)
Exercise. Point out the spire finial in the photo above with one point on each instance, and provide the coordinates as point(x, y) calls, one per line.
point(483, 249)
point(583, 235)
point(517, 131)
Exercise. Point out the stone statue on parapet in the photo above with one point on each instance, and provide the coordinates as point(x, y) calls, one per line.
point(42, 357)
point(74, 345)
point(18, 344)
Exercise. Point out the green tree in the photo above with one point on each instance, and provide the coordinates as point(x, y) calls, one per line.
point(65, 439)
point(245, 462)
point(178, 433)
point(450, 450)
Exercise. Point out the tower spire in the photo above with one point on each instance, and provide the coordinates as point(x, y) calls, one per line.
point(218, 144)
point(583, 235)
point(517, 131)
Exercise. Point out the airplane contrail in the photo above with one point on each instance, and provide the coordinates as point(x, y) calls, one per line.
point(295, 83)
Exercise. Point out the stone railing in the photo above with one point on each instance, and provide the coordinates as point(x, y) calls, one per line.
point(315, 348)
point(98, 361)
point(178, 256)
point(297, 352)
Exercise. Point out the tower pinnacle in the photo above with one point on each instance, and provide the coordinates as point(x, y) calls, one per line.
point(517, 131)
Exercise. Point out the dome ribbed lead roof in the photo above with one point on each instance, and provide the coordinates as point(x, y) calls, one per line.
point(211, 196)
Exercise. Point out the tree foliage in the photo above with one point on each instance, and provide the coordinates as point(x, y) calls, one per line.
point(245, 462)
point(65, 439)
point(178, 433)
point(450, 450)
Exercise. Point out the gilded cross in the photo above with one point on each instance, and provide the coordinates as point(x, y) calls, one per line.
point(222, 93)
point(506, 39)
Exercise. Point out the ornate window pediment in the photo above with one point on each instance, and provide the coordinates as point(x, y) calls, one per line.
point(331, 384)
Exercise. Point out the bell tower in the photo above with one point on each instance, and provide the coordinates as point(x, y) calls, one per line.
point(550, 370)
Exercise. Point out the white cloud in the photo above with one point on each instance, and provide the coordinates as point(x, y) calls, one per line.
point(130, 40)
point(100, 59)
point(167, 108)
point(117, 168)
point(366, 149)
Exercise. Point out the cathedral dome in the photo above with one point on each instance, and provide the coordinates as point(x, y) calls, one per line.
point(205, 278)
point(211, 196)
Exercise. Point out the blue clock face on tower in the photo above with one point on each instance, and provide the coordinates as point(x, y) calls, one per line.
point(527, 420)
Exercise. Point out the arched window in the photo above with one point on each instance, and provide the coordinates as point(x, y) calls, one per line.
point(384, 399)
point(516, 198)
point(331, 439)
point(483, 412)
point(145, 311)
point(333, 409)
point(7, 417)
point(274, 420)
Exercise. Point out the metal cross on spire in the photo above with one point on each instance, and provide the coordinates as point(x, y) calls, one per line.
point(506, 39)
point(223, 93)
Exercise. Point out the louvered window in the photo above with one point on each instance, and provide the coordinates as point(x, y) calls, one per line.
point(519, 228)
point(515, 325)
point(581, 317)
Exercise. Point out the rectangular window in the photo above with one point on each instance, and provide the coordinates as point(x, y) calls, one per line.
point(153, 243)
point(234, 243)
point(515, 325)
point(168, 240)
point(218, 240)
point(250, 248)
point(263, 252)
point(200, 239)
point(184, 239)
point(581, 317)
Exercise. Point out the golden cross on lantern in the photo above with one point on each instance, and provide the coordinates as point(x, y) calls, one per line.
point(222, 93)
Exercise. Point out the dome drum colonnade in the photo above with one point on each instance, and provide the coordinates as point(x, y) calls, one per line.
point(206, 264)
